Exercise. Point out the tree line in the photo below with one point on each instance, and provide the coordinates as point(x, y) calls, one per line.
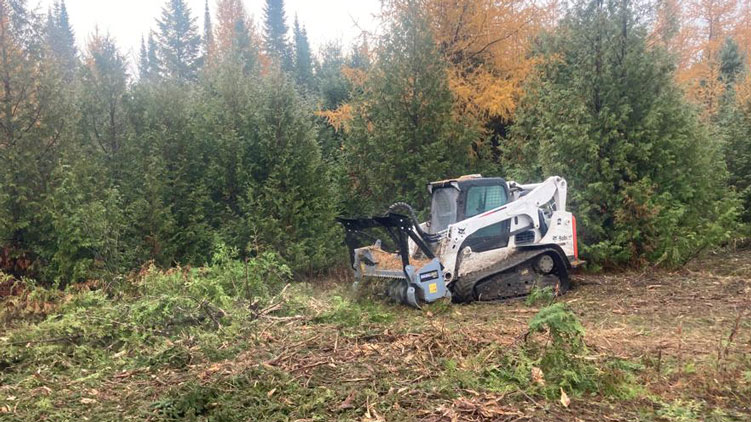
point(234, 132)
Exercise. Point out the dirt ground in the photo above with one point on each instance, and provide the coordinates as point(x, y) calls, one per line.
point(339, 358)
point(690, 329)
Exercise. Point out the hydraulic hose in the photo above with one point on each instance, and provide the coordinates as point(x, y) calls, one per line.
point(431, 238)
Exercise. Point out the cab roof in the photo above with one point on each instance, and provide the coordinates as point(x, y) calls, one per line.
point(465, 181)
point(459, 179)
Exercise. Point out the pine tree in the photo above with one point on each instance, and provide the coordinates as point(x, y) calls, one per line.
point(179, 41)
point(605, 114)
point(303, 59)
point(275, 30)
point(404, 134)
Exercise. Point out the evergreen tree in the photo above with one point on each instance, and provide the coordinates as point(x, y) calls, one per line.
point(143, 61)
point(291, 206)
point(179, 41)
point(208, 33)
point(303, 58)
point(731, 62)
point(734, 123)
point(735, 126)
point(61, 38)
point(404, 134)
point(154, 62)
point(36, 122)
point(605, 113)
point(332, 84)
point(234, 35)
point(275, 31)
point(105, 83)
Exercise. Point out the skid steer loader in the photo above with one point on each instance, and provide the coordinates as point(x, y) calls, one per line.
point(487, 239)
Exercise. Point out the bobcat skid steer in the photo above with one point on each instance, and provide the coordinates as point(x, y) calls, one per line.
point(487, 239)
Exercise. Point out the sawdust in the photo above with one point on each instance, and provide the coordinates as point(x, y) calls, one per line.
point(393, 261)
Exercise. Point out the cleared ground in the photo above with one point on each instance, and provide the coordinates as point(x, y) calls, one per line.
point(662, 346)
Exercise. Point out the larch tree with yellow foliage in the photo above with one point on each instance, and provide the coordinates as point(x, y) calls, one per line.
point(234, 37)
point(704, 25)
point(486, 46)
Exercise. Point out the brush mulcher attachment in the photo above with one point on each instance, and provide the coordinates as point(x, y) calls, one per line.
point(487, 239)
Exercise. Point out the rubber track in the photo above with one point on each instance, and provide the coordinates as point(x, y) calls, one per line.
point(464, 287)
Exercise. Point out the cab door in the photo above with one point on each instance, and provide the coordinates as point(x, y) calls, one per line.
point(480, 197)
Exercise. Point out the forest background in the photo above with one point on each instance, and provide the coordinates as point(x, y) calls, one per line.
point(234, 136)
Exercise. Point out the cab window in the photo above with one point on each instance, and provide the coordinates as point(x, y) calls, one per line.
point(481, 199)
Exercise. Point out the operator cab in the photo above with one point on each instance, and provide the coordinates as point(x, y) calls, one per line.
point(456, 200)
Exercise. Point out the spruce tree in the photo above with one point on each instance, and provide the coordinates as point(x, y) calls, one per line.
point(303, 58)
point(734, 123)
point(61, 39)
point(404, 134)
point(275, 30)
point(179, 41)
point(208, 33)
point(154, 62)
point(332, 85)
point(143, 60)
point(735, 127)
point(731, 62)
point(646, 182)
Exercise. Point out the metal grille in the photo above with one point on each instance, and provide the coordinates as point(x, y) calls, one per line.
point(525, 237)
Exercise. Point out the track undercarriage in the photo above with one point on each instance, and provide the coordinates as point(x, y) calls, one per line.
point(539, 272)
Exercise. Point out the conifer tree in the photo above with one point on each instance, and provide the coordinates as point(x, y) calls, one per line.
point(36, 122)
point(605, 114)
point(291, 206)
point(734, 124)
point(275, 30)
point(731, 62)
point(234, 35)
point(105, 82)
point(735, 127)
point(404, 133)
point(303, 58)
point(208, 33)
point(154, 62)
point(61, 39)
point(179, 41)
point(143, 60)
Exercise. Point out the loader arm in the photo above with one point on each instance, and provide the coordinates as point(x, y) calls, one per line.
point(523, 213)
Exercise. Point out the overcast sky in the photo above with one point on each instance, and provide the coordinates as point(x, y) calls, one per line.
point(128, 20)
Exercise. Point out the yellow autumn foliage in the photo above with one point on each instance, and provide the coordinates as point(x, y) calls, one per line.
point(339, 118)
point(486, 44)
